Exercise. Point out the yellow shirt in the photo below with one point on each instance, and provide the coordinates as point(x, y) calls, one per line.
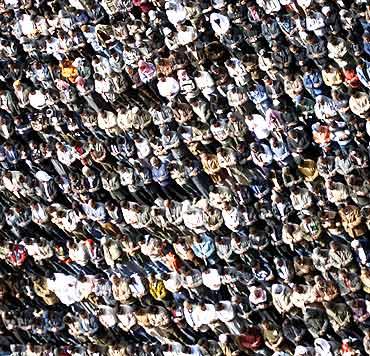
point(157, 290)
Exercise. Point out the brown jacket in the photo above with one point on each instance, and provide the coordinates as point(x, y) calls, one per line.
point(352, 221)
point(121, 291)
point(41, 289)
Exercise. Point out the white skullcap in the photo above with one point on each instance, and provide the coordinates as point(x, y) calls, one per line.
point(222, 338)
point(300, 350)
point(43, 176)
point(166, 31)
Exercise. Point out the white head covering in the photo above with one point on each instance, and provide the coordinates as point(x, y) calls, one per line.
point(277, 289)
point(85, 170)
point(323, 347)
point(166, 31)
point(300, 351)
point(43, 176)
point(152, 14)
point(222, 338)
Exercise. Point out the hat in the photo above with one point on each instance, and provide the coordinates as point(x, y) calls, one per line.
point(167, 31)
point(277, 289)
point(152, 14)
point(322, 347)
point(77, 62)
point(85, 170)
point(49, 112)
point(300, 351)
point(355, 244)
point(42, 176)
point(222, 338)
point(326, 10)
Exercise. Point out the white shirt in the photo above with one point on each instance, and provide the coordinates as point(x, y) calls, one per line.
point(169, 88)
point(176, 13)
point(207, 316)
point(173, 284)
point(232, 219)
point(108, 318)
point(39, 214)
point(193, 219)
point(27, 25)
point(37, 100)
point(126, 317)
point(187, 36)
point(223, 25)
point(76, 4)
point(212, 279)
point(67, 157)
point(103, 67)
point(259, 126)
point(191, 318)
point(65, 288)
point(137, 287)
point(143, 149)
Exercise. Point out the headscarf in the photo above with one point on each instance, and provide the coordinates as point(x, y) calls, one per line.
point(145, 67)
point(80, 82)
point(61, 84)
point(42, 176)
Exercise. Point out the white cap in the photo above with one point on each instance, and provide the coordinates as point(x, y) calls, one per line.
point(300, 351)
point(166, 31)
point(222, 338)
point(325, 10)
point(277, 289)
point(43, 176)
point(151, 14)
point(355, 244)
point(85, 170)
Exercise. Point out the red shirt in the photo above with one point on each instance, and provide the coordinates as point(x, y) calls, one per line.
point(144, 6)
point(351, 78)
point(18, 255)
point(251, 339)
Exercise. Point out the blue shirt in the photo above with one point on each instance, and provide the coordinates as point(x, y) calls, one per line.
point(363, 76)
point(367, 47)
point(161, 175)
point(313, 83)
point(258, 95)
point(204, 248)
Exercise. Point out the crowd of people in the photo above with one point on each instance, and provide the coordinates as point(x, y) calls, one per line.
point(184, 177)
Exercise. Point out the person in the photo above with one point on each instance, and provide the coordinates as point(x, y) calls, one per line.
point(175, 171)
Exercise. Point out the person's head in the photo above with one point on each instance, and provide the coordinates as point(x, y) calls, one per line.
point(335, 246)
point(155, 162)
point(366, 37)
point(161, 77)
point(298, 288)
point(267, 325)
point(187, 305)
point(83, 314)
point(92, 203)
point(257, 292)
point(254, 147)
point(319, 280)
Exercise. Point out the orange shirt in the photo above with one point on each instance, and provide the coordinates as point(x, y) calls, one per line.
point(322, 135)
